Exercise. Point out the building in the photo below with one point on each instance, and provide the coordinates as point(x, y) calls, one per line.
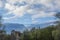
point(2, 35)
point(15, 35)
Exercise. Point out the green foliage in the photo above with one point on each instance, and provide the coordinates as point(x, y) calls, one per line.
point(56, 34)
point(0, 21)
point(57, 15)
point(39, 34)
point(48, 33)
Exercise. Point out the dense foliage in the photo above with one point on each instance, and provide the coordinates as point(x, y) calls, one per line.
point(48, 33)
point(40, 34)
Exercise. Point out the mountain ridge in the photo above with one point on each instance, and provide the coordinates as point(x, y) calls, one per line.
point(21, 27)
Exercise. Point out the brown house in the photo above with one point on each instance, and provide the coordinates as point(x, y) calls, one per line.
point(2, 35)
point(15, 35)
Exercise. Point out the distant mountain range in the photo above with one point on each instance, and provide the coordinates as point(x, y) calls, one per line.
point(14, 26)
point(20, 27)
point(41, 25)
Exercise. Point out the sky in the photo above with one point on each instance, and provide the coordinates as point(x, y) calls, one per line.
point(29, 11)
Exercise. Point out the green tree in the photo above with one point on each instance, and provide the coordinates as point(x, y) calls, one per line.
point(56, 34)
point(57, 15)
point(27, 35)
point(0, 22)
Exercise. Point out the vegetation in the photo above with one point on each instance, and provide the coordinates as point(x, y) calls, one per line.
point(48, 33)
point(39, 34)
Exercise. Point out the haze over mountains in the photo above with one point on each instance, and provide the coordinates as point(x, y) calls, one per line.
point(21, 27)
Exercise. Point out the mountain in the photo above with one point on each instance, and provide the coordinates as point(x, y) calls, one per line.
point(14, 26)
point(21, 27)
point(41, 25)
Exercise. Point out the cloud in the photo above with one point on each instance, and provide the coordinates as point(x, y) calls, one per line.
point(42, 14)
point(1, 4)
point(34, 22)
point(14, 1)
point(37, 8)
point(9, 7)
point(20, 11)
point(45, 2)
point(39, 22)
point(57, 4)
point(17, 11)
point(11, 1)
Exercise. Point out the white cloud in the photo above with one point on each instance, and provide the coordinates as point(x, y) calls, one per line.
point(14, 1)
point(48, 21)
point(19, 11)
point(43, 14)
point(11, 1)
point(9, 7)
point(57, 2)
point(45, 2)
point(34, 22)
point(51, 5)
point(32, 11)
point(1, 4)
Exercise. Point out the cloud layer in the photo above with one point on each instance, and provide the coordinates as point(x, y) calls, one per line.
point(36, 8)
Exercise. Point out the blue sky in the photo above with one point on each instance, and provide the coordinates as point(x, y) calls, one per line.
point(29, 11)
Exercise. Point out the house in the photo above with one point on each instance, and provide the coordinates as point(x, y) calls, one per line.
point(2, 35)
point(15, 35)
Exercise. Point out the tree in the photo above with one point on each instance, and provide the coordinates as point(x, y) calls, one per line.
point(56, 34)
point(0, 22)
point(58, 15)
point(46, 33)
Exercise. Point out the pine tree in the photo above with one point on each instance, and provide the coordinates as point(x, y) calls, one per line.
point(0, 22)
